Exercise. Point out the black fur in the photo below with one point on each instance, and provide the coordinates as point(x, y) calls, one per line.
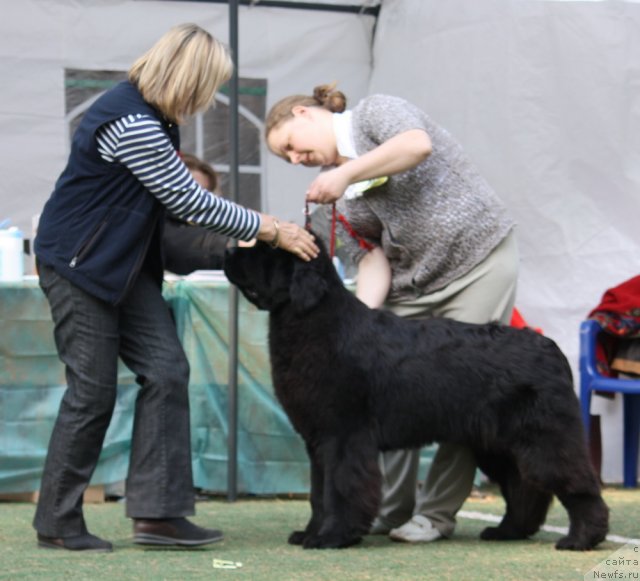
point(355, 381)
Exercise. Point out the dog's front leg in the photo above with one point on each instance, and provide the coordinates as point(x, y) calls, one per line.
point(351, 490)
point(316, 499)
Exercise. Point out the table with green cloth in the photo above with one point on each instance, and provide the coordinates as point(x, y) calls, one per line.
point(271, 456)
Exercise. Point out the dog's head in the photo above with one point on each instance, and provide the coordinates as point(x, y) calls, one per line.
point(272, 277)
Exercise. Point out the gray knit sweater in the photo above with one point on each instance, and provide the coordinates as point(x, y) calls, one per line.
point(435, 222)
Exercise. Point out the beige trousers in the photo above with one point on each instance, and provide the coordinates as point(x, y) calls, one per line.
point(486, 293)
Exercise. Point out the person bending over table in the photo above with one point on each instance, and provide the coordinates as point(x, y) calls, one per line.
point(188, 247)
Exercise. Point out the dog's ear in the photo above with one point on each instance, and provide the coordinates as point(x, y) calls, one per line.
point(308, 285)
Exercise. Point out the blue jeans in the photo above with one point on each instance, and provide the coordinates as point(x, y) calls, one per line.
point(90, 336)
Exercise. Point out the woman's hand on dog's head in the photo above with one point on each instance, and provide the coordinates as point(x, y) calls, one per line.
point(288, 236)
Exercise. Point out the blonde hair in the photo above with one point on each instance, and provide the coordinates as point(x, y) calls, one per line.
point(181, 73)
point(324, 96)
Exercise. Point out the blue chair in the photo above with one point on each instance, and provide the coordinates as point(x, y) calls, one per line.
point(592, 380)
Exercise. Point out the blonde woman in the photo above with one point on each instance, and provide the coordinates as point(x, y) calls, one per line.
point(100, 263)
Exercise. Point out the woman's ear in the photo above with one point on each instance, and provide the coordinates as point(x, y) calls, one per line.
point(300, 111)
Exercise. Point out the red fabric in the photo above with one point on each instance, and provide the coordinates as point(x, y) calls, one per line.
point(517, 321)
point(619, 316)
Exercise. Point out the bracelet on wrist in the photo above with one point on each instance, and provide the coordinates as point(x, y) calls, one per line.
point(276, 239)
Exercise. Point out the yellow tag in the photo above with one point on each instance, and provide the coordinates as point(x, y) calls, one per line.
point(357, 189)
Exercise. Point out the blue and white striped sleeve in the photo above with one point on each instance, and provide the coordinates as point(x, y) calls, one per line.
point(139, 143)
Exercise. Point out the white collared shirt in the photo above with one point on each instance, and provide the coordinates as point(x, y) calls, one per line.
point(343, 128)
point(346, 146)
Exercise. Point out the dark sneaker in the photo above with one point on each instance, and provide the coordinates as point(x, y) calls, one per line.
point(172, 531)
point(86, 542)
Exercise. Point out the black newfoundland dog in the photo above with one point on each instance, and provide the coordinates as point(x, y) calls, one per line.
point(355, 381)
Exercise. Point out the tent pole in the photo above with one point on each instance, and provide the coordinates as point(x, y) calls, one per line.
point(232, 444)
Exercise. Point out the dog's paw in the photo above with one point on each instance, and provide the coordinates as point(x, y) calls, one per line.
point(297, 537)
point(501, 534)
point(570, 543)
point(491, 534)
point(330, 541)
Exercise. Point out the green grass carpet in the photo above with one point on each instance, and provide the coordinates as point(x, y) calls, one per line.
point(255, 535)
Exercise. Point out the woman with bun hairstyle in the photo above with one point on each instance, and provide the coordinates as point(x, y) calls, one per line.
point(437, 242)
point(100, 263)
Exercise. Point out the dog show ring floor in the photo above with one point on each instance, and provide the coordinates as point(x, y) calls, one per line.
point(255, 547)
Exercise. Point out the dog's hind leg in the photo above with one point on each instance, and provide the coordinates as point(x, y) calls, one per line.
point(526, 504)
point(588, 521)
point(316, 500)
point(578, 489)
point(564, 468)
point(351, 490)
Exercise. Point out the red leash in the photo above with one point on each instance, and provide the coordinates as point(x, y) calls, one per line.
point(332, 241)
point(335, 217)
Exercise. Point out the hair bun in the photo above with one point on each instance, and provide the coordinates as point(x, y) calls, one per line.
point(329, 98)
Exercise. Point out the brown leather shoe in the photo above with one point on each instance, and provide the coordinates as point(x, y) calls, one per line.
point(172, 531)
point(86, 542)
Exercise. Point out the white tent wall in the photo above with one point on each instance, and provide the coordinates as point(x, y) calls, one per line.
point(544, 96)
point(293, 49)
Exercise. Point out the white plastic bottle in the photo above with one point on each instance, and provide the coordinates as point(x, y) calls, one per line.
point(11, 255)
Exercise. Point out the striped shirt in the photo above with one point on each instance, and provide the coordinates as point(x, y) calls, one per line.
point(140, 144)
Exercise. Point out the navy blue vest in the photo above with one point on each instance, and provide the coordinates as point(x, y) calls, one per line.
point(101, 226)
